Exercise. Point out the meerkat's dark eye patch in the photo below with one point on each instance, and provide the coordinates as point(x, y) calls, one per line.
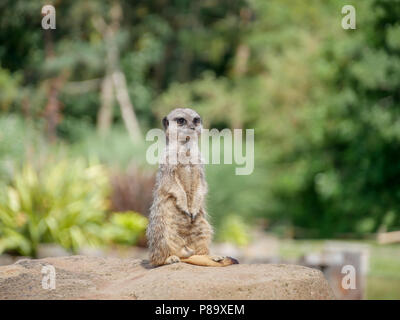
point(180, 121)
point(196, 120)
point(165, 122)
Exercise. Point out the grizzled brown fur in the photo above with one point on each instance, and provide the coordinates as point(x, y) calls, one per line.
point(178, 226)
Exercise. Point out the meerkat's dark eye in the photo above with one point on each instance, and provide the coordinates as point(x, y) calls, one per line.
point(196, 121)
point(181, 121)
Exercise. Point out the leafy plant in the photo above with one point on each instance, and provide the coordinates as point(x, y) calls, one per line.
point(125, 228)
point(234, 230)
point(64, 202)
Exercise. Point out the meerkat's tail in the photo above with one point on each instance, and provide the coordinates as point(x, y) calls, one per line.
point(207, 261)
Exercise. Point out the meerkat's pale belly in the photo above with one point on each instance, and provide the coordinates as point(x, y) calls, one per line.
point(189, 177)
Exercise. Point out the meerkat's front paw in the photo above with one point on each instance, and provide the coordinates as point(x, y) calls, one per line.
point(187, 213)
point(172, 259)
point(217, 258)
point(191, 216)
point(186, 252)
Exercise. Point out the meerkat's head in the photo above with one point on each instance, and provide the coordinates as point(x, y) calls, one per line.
point(185, 122)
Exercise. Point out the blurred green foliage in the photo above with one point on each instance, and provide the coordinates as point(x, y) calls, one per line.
point(65, 203)
point(125, 228)
point(231, 194)
point(18, 141)
point(234, 230)
point(324, 101)
point(113, 150)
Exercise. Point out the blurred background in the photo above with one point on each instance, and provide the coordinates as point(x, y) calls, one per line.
point(76, 103)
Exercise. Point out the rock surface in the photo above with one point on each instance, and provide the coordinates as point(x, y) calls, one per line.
point(81, 277)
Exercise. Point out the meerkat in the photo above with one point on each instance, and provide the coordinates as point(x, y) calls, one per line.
point(178, 229)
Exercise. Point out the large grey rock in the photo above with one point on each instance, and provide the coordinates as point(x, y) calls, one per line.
point(81, 277)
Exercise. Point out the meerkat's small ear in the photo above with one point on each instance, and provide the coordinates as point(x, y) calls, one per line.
point(165, 122)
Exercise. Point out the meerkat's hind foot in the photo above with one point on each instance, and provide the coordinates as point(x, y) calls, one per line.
point(172, 259)
point(231, 260)
point(217, 258)
point(226, 261)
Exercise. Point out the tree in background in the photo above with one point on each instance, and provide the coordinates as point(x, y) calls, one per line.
point(334, 156)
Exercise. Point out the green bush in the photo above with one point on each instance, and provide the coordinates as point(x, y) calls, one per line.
point(125, 228)
point(234, 230)
point(19, 139)
point(229, 193)
point(114, 149)
point(63, 203)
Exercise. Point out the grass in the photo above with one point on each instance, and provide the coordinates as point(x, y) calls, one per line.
point(383, 278)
